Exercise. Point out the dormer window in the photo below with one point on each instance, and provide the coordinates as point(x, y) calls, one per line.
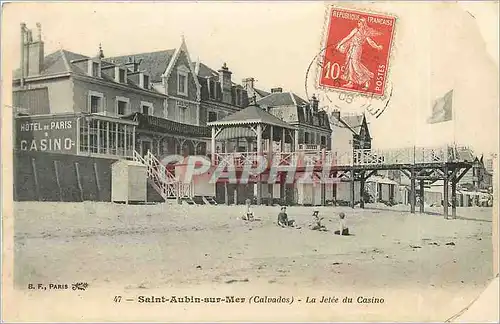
point(182, 80)
point(144, 81)
point(94, 69)
point(120, 75)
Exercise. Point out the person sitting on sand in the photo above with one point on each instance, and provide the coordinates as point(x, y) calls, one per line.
point(316, 222)
point(248, 215)
point(283, 220)
point(343, 229)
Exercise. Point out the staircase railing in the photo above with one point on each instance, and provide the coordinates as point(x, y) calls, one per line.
point(162, 179)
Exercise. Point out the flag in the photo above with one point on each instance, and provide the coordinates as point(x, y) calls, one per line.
point(442, 109)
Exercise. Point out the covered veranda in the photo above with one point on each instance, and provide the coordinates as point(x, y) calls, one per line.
point(264, 135)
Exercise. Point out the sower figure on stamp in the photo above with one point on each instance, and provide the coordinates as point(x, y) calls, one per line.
point(354, 70)
point(283, 220)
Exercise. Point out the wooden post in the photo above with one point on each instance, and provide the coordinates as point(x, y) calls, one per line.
point(35, 178)
point(56, 170)
point(454, 197)
point(413, 191)
point(323, 193)
point(79, 182)
point(296, 141)
point(212, 152)
point(422, 198)
point(353, 196)
point(107, 137)
point(98, 185)
point(226, 194)
point(362, 190)
point(282, 178)
point(133, 138)
point(445, 192)
point(259, 154)
point(283, 137)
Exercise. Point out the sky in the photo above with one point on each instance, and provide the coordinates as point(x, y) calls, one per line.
point(437, 47)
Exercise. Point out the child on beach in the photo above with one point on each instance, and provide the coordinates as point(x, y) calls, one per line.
point(283, 220)
point(316, 222)
point(248, 215)
point(343, 229)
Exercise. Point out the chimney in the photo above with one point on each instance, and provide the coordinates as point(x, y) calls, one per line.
point(248, 84)
point(33, 51)
point(276, 90)
point(23, 58)
point(336, 114)
point(100, 55)
point(226, 84)
point(314, 103)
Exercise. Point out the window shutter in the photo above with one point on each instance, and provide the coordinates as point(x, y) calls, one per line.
point(234, 96)
point(204, 90)
point(244, 99)
point(219, 91)
point(213, 94)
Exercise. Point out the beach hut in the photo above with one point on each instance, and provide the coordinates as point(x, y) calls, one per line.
point(383, 189)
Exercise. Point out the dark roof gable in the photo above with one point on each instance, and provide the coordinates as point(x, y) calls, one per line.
point(154, 63)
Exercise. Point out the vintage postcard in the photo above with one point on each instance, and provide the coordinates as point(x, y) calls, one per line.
point(250, 161)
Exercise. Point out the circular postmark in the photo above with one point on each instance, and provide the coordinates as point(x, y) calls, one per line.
point(345, 100)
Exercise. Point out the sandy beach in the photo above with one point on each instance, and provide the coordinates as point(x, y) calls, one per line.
point(412, 259)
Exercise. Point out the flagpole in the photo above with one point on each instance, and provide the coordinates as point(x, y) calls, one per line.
point(453, 117)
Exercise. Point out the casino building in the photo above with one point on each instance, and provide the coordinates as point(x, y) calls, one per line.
point(107, 108)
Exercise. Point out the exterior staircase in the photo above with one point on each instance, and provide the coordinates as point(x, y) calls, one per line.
point(163, 180)
point(209, 200)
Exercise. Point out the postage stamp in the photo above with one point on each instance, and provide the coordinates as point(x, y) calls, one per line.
point(180, 169)
point(357, 51)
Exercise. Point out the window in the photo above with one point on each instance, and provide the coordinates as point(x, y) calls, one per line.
point(145, 81)
point(182, 80)
point(95, 102)
point(306, 138)
point(212, 88)
point(122, 106)
point(238, 97)
point(147, 108)
point(106, 137)
point(121, 76)
point(212, 116)
point(182, 86)
point(182, 113)
point(323, 140)
point(94, 68)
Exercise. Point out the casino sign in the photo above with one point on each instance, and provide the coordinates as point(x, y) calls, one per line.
point(55, 134)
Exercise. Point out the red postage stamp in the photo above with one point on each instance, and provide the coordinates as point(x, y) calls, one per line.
point(357, 50)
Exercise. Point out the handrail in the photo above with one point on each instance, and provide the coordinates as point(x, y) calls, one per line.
point(162, 179)
point(407, 155)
